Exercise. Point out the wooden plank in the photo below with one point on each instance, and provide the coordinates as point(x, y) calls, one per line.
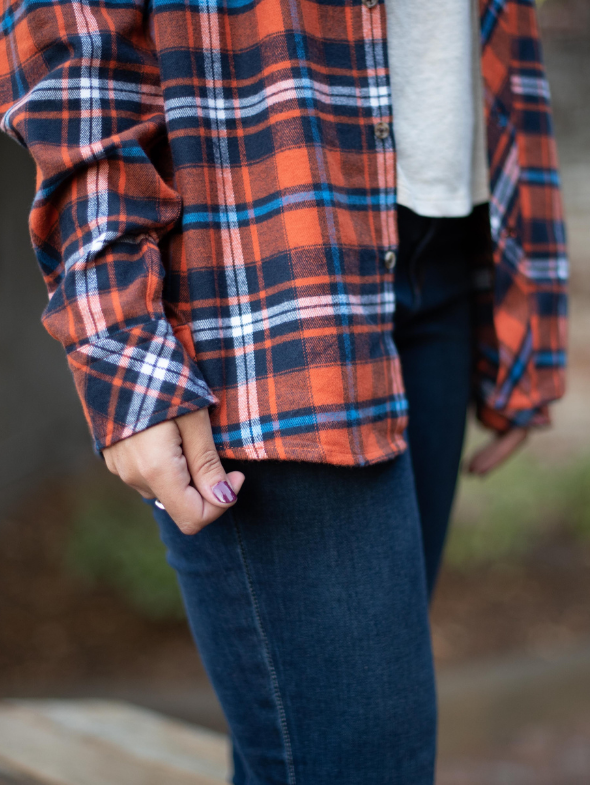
point(107, 743)
point(144, 733)
point(14, 778)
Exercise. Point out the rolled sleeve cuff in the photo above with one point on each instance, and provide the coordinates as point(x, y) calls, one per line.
point(135, 378)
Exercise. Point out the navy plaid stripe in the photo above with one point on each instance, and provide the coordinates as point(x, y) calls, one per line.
point(214, 209)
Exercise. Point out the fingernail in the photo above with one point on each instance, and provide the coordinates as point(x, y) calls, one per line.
point(223, 493)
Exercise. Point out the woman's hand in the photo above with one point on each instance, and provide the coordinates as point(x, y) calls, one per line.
point(496, 452)
point(177, 463)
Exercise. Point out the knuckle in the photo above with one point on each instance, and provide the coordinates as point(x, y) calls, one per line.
point(110, 465)
point(207, 462)
point(112, 461)
point(149, 469)
point(127, 476)
point(188, 527)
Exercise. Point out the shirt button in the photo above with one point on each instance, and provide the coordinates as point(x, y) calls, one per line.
point(381, 130)
point(370, 3)
point(389, 259)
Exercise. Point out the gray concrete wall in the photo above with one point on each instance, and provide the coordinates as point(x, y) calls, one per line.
point(42, 430)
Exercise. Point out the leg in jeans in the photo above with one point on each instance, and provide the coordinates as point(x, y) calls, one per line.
point(308, 604)
point(433, 335)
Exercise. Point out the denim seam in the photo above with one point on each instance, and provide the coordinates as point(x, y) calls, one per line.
point(269, 662)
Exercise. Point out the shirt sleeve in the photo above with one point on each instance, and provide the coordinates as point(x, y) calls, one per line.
point(79, 88)
point(519, 330)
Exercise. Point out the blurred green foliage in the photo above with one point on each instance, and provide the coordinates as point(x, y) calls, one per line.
point(114, 542)
point(502, 516)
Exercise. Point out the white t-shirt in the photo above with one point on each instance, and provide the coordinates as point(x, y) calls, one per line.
point(434, 62)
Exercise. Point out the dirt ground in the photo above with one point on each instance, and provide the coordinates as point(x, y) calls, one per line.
point(540, 755)
point(56, 630)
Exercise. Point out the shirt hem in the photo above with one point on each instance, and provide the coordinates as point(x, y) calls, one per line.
point(318, 455)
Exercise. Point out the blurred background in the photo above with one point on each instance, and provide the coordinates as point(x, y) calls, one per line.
point(88, 606)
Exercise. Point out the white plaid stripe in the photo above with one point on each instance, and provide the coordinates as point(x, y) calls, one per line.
point(285, 91)
point(532, 86)
point(155, 364)
point(236, 278)
point(246, 326)
point(503, 192)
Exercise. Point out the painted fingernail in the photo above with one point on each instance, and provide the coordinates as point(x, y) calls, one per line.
point(223, 493)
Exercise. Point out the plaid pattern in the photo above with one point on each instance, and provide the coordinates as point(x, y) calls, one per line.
point(522, 335)
point(211, 188)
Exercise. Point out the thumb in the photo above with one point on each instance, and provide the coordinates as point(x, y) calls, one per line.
point(207, 473)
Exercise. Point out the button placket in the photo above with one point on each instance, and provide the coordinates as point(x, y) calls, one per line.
point(384, 150)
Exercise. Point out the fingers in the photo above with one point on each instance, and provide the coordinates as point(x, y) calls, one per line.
point(496, 452)
point(176, 462)
point(135, 460)
point(217, 488)
point(170, 482)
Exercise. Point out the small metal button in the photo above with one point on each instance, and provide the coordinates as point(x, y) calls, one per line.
point(370, 3)
point(389, 259)
point(381, 130)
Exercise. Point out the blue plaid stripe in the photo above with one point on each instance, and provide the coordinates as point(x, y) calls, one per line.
point(214, 208)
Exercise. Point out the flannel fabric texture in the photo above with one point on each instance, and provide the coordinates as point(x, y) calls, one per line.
point(216, 214)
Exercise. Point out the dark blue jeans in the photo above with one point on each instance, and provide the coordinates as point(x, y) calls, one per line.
point(309, 599)
point(433, 334)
